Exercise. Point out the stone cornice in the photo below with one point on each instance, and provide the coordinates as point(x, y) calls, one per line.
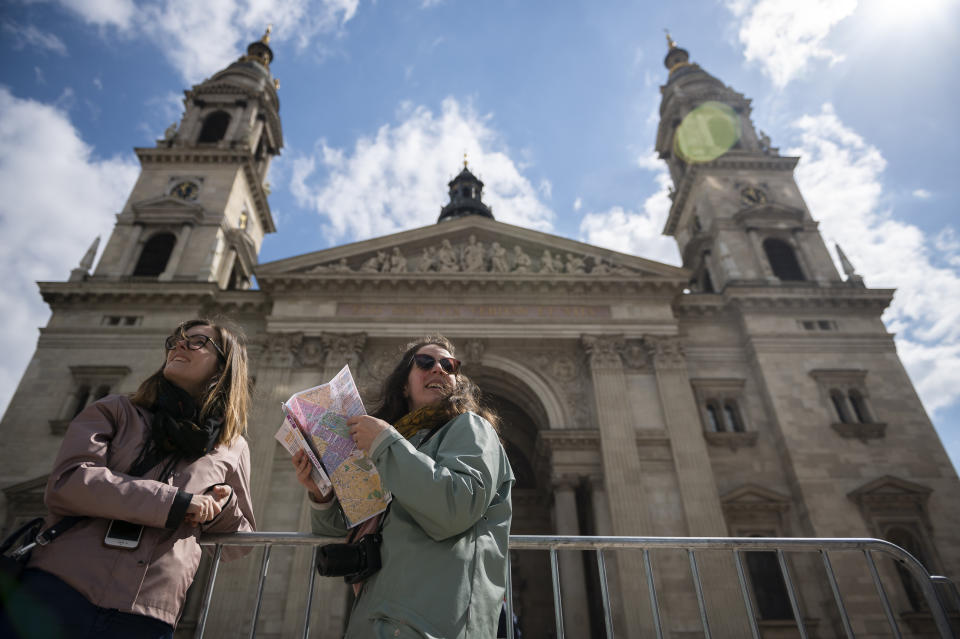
point(811, 296)
point(149, 293)
point(750, 162)
point(240, 155)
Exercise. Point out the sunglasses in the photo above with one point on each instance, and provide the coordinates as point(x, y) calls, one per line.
point(449, 365)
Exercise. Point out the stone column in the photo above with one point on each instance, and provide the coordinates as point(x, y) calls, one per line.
point(603, 528)
point(236, 586)
point(698, 489)
point(573, 580)
point(125, 267)
point(327, 617)
point(629, 516)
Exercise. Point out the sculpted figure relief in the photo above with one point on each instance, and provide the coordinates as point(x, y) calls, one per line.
point(498, 258)
point(549, 264)
point(398, 263)
point(447, 258)
point(473, 256)
point(428, 260)
point(375, 264)
point(575, 264)
point(521, 261)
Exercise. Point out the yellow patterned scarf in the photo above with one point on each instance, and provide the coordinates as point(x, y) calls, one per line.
point(427, 417)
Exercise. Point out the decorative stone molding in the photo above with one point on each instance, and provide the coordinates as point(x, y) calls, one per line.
point(603, 351)
point(666, 351)
point(752, 508)
point(473, 256)
point(733, 441)
point(565, 481)
point(343, 349)
point(891, 492)
point(473, 351)
point(635, 355)
point(279, 349)
point(311, 352)
point(863, 432)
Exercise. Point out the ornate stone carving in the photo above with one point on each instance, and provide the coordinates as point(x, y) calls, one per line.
point(473, 351)
point(428, 260)
point(635, 354)
point(279, 349)
point(473, 256)
point(375, 264)
point(563, 368)
point(447, 258)
point(521, 261)
point(311, 352)
point(575, 264)
point(666, 351)
point(549, 264)
point(397, 262)
point(343, 349)
point(498, 259)
point(603, 351)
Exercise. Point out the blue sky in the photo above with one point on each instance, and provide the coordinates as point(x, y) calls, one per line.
point(555, 104)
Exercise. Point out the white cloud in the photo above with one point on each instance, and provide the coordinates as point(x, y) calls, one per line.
point(577, 204)
point(546, 187)
point(637, 233)
point(840, 176)
point(922, 194)
point(784, 36)
point(396, 179)
point(29, 35)
point(57, 198)
point(200, 38)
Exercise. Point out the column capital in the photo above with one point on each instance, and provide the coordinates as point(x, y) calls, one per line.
point(343, 349)
point(565, 482)
point(603, 351)
point(278, 349)
point(666, 351)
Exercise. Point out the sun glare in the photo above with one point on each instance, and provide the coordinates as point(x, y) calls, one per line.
point(887, 14)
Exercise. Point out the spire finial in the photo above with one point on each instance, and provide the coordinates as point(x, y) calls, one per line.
point(464, 159)
point(670, 42)
point(266, 36)
point(853, 278)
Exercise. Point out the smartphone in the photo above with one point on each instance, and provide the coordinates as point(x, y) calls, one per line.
point(122, 534)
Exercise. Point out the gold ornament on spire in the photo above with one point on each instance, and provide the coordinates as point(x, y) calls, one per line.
point(670, 42)
point(266, 36)
point(464, 159)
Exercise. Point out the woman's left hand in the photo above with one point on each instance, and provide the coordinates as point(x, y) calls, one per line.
point(364, 429)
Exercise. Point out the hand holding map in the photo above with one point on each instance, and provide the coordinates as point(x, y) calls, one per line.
point(320, 415)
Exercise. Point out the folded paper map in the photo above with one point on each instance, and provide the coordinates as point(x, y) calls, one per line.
point(320, 414)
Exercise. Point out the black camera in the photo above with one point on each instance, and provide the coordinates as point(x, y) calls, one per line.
point(354, 562)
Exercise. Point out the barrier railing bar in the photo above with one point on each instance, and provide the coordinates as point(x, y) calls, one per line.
point(557, 603)
point(313, 579)
point(754, 630)
point(883, 594)
point(208, 593)
point(654, 604)
point(699, 588)
point(950, 587)
point(264, 564)
point(836, 594)
point(509, 598)
point(792, 593)
point(605, 594)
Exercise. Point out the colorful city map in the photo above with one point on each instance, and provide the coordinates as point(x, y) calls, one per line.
point(321, 414)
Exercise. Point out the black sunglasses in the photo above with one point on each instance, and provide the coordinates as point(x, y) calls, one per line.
point(194, 343)
point(449, 365)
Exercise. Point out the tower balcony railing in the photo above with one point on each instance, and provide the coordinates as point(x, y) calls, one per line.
point(940, 595)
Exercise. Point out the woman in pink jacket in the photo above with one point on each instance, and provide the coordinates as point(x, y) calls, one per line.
point(170, 461)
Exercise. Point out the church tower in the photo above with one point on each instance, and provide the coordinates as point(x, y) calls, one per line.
point(466, 191)
point(737, 213)
point(199, 210)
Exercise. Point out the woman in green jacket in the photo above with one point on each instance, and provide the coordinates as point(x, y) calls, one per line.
point(445, 535)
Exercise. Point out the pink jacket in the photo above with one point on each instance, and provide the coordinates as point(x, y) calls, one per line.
point(89, 479)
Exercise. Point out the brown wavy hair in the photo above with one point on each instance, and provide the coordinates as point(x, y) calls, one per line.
point(465, 396)
point(228, 394)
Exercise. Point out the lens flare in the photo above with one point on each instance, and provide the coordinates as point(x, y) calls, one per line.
point(706, 133)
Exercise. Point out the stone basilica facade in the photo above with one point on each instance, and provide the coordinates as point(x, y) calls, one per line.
point(752, 392)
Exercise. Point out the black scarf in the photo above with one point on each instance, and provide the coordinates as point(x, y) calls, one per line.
point(175, 434)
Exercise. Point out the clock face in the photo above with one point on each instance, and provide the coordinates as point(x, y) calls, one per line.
point(186, 190)
point(752, 195)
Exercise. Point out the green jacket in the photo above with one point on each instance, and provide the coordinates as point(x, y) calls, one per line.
point(445, 536)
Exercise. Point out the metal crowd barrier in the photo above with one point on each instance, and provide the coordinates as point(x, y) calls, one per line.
point(554, 543)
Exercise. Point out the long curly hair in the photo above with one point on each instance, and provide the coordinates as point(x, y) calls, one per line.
point(228, 394)
point(464, 397)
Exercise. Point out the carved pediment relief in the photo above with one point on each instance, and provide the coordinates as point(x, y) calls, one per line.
point(752, 497)
point(166, 210)
point(473, 247)
point(890, 491)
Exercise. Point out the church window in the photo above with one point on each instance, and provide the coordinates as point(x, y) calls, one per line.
point(214, 127)
point(155, 255)
point(859, 407)
point(840, 406)
point(724, 421)
point(902, 536)
point(783, 260)
point(707, 285)
point(713, 418)
point(845, 396)
point(81, 397)
point(769, 587)
point(731, 415)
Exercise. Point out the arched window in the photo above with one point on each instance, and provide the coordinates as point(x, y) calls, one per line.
point(840, 405)
point(102, 391)
point(214, 127)
point(82, 395)
point(713, 416)
point(859, 407)
point(732, 415)
point(156, 253)
point(783, 260)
